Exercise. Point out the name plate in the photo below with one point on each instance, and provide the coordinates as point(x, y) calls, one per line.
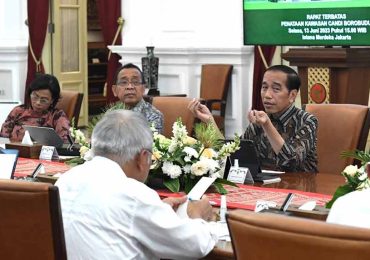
point(240, 175)
point(48, 153)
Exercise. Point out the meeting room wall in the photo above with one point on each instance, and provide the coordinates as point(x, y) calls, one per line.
point(13, 54)
point(187, 34)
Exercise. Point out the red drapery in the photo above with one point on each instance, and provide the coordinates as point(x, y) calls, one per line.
point(109, 12)
point(259, 70)
point(38, 13)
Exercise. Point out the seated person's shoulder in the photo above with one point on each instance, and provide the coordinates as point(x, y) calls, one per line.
point(152, 109)
point(141, 192)
point(19, 109)
point(307, 116)
point(59, 114)
point(157, 111)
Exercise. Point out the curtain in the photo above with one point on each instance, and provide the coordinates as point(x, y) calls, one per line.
point(38, 13)
point(109, 12)
point(259, 70)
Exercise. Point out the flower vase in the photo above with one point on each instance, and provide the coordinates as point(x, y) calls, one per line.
point(150, 65)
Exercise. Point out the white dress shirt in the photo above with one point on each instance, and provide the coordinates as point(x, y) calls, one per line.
point(352, 209)
point(107, 215)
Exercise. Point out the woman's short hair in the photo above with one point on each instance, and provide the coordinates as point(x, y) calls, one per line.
point(46, 81)
point(120, 135)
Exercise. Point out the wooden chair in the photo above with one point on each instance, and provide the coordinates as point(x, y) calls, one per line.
point(70, 102)
point(342, 127)
point(270, 236)
point(31, 225)
point(173, 108)
point(214, 87)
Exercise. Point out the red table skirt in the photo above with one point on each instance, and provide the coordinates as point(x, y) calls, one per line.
point(26, 166)
point(245, 196)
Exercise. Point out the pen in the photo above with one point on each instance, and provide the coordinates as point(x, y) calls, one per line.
point(287, 201)
point(36, 171)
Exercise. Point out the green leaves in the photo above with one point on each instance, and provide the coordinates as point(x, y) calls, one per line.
point(357, 180)
point(362, 156)
point(75, 161)
point(172, 184)
point(188, 183)
point(208, 135)
point(342, 190)
point(113, 106)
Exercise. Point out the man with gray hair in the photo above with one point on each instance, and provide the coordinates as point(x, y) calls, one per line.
point(109, 213)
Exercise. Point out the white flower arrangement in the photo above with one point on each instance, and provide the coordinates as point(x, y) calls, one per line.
point(182, 160)
point(357, 178)
point(80, 139)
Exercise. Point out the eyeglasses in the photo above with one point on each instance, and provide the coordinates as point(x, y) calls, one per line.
point(126, 83)
point(42, 100)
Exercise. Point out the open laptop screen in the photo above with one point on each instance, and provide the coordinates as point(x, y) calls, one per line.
point(44, 135)
point(8, 162)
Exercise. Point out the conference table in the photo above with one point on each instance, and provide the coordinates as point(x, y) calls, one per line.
point(308, 182)
point(320, 183)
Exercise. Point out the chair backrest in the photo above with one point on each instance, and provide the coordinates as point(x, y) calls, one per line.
point(342, 127)
point(214, 86)
point(31, 225)
point(215, 82)
point(70, 102)
point(271, 236)
point(173, 108)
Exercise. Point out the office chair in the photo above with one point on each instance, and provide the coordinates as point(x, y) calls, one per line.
point(31, 225)
point(173, 108)
point(214, 87)
point(265, 236)
point(70, 102)
point(341, 127)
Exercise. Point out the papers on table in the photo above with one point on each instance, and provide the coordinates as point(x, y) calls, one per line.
point(196, 193)
point(272, 180)
point(200, 188)
point(7, 162)
point(272, 172)
point(221, 229)
point(3, 141)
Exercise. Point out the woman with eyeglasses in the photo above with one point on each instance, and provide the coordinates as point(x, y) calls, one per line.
point(44, 93)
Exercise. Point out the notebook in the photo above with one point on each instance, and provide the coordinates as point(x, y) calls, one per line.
point(8, 162)
point(248, 157)
point(44, 135)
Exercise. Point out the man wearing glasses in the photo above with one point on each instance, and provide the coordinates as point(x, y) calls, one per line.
point(112, 214)
point(130, 88)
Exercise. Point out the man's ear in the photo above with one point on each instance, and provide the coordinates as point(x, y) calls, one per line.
point(292, 95)
point(142, 160)
point(114, 90)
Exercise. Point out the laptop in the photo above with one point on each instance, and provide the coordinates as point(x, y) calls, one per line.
point(8, 162)
point(44, 135)
point(48, 136)
point(248, 157)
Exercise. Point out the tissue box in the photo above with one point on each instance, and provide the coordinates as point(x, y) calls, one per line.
point(26, 150)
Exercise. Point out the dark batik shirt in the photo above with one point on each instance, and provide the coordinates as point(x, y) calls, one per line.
point(298, 129)
point(153, 115)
